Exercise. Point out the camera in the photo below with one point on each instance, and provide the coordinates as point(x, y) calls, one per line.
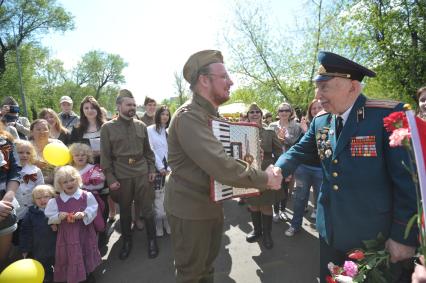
point(13, 109)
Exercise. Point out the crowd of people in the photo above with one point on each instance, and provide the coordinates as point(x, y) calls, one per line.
point(159, 176)
point(58, 215)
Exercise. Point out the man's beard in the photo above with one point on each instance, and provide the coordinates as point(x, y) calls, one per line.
point(129, 114)
point(220, 99)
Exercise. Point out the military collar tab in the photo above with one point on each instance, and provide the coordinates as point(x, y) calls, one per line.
point(205, 104)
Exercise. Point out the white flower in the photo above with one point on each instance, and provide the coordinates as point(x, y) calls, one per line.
point(344, 279)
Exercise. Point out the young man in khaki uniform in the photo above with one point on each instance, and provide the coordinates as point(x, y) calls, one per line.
point(150, 108)
point(195, 155)
point(128, 163)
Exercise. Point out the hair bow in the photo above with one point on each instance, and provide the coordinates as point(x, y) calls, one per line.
point(28, 177)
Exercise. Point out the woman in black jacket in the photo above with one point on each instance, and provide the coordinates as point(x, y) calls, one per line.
point(88, 131)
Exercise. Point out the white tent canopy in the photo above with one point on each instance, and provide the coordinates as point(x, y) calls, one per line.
point(233, 108)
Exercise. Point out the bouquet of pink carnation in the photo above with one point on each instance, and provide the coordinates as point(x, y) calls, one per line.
point(371, 263)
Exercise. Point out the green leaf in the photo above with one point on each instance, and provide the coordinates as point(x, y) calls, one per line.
point(410, 225)
point(370, 244)
point(376, 276)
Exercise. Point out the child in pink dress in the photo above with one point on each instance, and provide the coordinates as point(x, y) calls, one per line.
point(93, 180)
point(77, 254)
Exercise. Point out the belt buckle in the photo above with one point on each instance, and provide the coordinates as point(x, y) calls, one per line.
point(132, 161)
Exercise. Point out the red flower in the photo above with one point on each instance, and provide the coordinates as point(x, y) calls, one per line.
point(357, 255)
point(330, 279)
point(395, 121)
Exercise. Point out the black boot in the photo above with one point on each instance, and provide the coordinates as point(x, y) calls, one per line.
point(266, 231)
point(125, 249)
point(152, 240)
point(257, 227)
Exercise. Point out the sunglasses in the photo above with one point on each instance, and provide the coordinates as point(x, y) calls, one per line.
point(254, 112)
point(284, 110)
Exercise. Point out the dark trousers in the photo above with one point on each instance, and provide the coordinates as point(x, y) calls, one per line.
point(329, 254)
point(133, 189)
point(282, 204)
point(196, 244)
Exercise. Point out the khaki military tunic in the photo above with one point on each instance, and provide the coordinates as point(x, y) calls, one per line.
point(272, 149)
point(148, 120)
point(126, 157)
point(195, 155)
point(125, 150)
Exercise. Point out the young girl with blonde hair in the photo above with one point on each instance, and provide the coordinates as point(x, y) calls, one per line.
point(31, 176)
point(77, 254)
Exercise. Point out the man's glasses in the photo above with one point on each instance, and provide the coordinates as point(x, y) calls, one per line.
point(284, 110)
point(224, 77)
point(254, 112)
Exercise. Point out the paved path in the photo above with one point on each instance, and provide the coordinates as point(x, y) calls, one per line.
point(292, 260)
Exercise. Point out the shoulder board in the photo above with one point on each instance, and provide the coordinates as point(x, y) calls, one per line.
point(322, 112)
point(183, 109)
point(381, 103)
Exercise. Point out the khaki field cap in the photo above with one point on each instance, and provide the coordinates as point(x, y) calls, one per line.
point(124, 93)
point(254, 106)
point(199, 60)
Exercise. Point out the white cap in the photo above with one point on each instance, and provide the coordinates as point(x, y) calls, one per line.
point(65, 99)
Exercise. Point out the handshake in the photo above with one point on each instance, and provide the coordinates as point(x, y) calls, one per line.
point(275, 177)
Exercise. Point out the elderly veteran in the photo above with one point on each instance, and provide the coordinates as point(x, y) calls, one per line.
point(129, 166)
point(260, 207)
point(196, 156)
point(366, 190)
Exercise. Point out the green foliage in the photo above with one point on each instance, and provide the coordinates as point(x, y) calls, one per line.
point(386, 36)
point(45, 80)
point(97, 69)
point(23, 20)
point(397, 36)
point(174, 103)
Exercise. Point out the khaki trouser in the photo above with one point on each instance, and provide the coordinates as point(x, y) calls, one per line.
point(196, 244)
point(136, 189)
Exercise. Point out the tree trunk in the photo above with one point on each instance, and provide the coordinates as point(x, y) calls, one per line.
point(2, 62)
point(310, 89)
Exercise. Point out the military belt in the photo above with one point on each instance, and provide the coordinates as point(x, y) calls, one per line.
point(129, 159)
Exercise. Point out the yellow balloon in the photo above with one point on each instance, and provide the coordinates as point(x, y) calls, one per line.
point(23, 271)
point(56, 154)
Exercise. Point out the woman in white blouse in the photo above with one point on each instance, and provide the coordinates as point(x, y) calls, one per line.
point(157, 134)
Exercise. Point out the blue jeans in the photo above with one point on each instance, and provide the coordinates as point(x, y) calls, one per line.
point(306, 176)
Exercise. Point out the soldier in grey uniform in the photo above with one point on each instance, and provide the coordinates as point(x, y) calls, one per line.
point(128, 163)
point(195, 156)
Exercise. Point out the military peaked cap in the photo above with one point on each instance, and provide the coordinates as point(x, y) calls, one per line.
point(333, 65)
point(199, 60)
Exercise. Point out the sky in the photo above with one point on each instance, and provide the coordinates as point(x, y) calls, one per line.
point(154, 37)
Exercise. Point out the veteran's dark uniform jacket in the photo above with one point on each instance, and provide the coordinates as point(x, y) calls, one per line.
point(195, 155)
point(366, 189)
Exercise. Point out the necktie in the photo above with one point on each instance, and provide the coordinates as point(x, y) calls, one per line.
point(339, 126)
